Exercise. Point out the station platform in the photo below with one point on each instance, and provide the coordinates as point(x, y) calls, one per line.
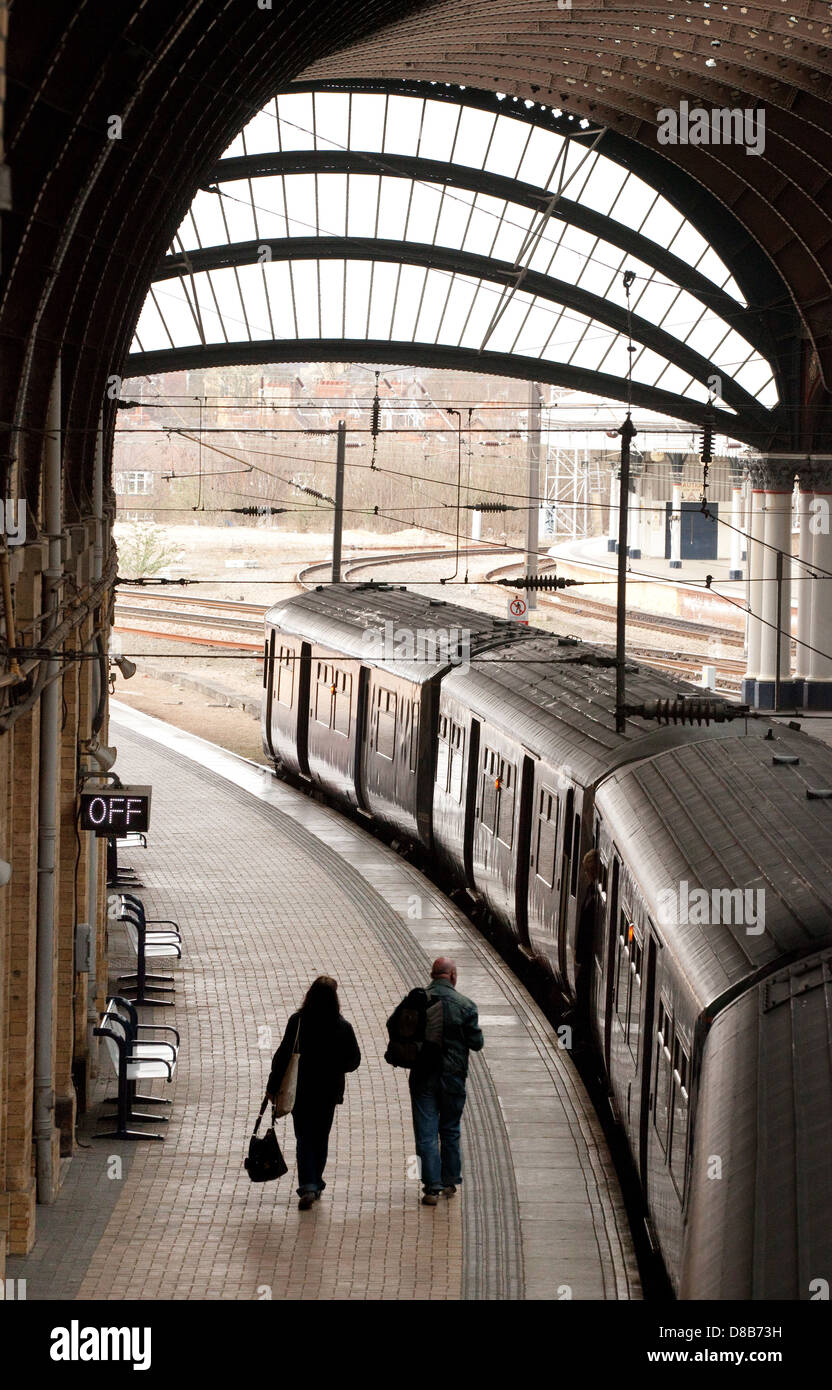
point(654, 587)
point(271, 889)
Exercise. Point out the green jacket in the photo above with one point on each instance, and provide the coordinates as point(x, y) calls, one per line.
point(461, 1034)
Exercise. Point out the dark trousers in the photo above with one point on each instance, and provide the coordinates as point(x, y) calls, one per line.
point(312, 1125)
point(437, 1118)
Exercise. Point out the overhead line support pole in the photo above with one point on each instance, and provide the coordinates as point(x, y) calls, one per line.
point(533, 485)
point(339, 502)
point(627, 433)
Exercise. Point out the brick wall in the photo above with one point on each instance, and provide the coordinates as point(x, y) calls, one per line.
point(74, 1058)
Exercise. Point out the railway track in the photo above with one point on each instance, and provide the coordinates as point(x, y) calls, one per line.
point(313, 574)
point(584, 607)
point(223, 617)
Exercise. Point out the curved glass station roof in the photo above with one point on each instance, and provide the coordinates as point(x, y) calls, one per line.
point(359, 216)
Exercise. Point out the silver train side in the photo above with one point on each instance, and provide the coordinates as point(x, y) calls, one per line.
point(715, 1034)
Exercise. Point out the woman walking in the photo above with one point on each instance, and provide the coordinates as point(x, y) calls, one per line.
point(327, 1049)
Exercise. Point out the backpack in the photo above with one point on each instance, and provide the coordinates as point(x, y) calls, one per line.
point(415, 1031)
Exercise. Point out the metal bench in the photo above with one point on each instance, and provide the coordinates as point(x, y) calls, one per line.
point(133, 839)
point(120, 875)
point(135, 1060)
point(156, 939)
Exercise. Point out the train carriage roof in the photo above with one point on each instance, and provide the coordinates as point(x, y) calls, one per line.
point(556, 695)
point(727, 815)
point(390, 627)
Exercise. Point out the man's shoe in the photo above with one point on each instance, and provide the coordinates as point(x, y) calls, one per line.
point(430, 1199)
point(449, 1191)
point(307, 1200)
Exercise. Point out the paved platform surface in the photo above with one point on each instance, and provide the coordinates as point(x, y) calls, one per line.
point(271, 889)
point(595, 552)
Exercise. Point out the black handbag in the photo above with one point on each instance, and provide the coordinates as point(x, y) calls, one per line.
point(265, 1162)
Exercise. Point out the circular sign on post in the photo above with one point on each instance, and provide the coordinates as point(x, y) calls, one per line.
point(518, 609)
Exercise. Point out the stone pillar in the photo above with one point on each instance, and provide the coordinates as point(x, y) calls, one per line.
point(817, 690)
point(737, 537)
point(615, 493)
point(6, 783)
point(20, 1180)
point(19, 1196)
point(755, 570)
point(778, 481)
point(677, 468)
point(70, 1004)
point(803, 576)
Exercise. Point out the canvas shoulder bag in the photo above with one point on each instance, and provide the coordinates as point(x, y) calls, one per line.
point(289, 1085)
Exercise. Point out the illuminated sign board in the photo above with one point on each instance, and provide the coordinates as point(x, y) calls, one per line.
point(115, 810)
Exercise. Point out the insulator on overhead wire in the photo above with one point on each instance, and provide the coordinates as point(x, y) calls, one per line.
point(706, 442)
point(257, 511)
point(685, 710)
point(488, 507)
point(539, 581)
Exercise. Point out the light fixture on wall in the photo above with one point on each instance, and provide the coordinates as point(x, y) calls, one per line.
point(99, 754)
point(125, 665)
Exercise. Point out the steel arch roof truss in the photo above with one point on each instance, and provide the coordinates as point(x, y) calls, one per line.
point(334, 218)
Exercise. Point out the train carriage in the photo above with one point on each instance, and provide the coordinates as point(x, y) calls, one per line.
point(362, 718)
point(719, 874)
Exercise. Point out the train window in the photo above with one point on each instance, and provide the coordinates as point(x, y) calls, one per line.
point(442, 754)
point(323, 693)
point(386, 723)
point(576, 849)
point(488, 801)
point(505, 802)
point(342, 699)
point(286, 676)
point(414, 738)
point(457, 745)
point(661, 1108)
point(679, 1107)
point(547, 836)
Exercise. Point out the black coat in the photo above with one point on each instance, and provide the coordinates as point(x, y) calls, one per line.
point(325, 1057)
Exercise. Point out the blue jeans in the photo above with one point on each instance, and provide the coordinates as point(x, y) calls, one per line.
point(312, 1125)
point(437, 1115)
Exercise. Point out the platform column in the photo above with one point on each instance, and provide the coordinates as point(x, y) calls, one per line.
point(737, 537)
point(615, 494)
point(755, 570)
point(805, 584)
point(778, 481)
point(677, 468)
point(817, 690)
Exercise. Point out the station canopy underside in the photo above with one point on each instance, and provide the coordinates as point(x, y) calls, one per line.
point(435, 227)
point(93, 210)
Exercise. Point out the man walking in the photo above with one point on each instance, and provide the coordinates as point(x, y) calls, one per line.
point(437, 1086)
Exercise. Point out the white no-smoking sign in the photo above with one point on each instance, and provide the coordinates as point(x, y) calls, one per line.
point(518, 609)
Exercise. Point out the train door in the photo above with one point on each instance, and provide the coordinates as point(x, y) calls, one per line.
point(565, 880)
point(471, 789)
point(268, 685)
point(305, 664)
point(523, 850)
point(361, 735)
point(649, 992)
point(606, 969)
